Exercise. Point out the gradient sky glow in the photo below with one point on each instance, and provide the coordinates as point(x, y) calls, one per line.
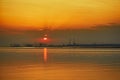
point(85, 21)
point(35, 14)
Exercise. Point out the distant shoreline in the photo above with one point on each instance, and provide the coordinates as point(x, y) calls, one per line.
point(59, 47)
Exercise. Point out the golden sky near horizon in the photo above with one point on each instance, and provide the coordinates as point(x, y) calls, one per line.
point(35, 14)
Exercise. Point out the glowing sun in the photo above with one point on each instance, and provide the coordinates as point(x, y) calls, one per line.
point(45, 38)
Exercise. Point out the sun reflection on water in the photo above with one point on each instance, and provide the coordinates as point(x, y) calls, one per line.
point(45, 55)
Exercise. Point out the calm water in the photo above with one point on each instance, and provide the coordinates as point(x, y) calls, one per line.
point(59, 64)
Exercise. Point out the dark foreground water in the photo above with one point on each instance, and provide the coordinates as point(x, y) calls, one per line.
point(59, 64)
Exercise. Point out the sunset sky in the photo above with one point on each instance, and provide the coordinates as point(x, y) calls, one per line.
point(58, 14)
point(86, 21)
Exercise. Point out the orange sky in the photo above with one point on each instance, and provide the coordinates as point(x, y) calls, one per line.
point(35, 14)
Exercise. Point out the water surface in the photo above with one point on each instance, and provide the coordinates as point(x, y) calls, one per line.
point(59, 64)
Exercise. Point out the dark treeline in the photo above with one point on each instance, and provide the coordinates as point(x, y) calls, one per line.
point(68, 45)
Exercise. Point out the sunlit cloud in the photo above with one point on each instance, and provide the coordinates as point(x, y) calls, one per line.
point(35, 14)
